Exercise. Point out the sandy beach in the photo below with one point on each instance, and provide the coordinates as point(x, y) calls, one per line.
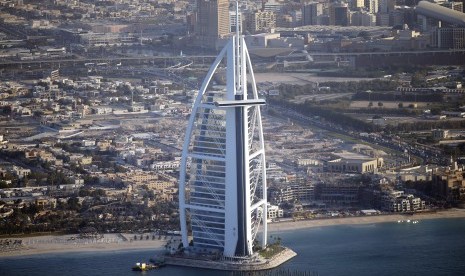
point(117, 242)
point(294, 225)
point(70, 243)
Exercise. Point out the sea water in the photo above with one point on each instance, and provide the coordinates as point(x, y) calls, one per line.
point(430, 247)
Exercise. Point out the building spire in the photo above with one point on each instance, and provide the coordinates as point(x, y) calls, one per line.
point(237, 21)
point(239, 52)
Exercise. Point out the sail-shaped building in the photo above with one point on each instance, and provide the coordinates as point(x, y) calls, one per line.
point(222, 186)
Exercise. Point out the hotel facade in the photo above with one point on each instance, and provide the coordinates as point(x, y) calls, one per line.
point(222, 186)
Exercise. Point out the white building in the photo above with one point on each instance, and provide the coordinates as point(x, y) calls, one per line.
point(225, 149)
point(274, 212)
point(397, 201)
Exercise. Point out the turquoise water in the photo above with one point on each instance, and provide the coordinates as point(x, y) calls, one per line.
point(431, 247)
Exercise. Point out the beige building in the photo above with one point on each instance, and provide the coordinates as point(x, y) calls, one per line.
point(212, 22)
point(153, 181)
point(354, 163)
point(104, 145)
point(160, 185)
point(46, 202)
point(449, 184)
point(260, 21)
point(80, 159)
point(439, 134)
point(138, 177)
point(418, 173)
point(168, 193)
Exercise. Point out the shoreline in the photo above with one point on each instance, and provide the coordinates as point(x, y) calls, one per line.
point(359, 220)
point(51, 244)
point(55, 244)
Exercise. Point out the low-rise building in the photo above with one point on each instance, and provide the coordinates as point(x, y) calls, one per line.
point(274, 212)
point(338, 193)
point(46, 202)
point(449, 184)
point(397, 201)
point(291, 192)
point(354, 163)
point(439, 134)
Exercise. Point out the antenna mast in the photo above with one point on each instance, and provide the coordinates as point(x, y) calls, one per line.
point(239, 54)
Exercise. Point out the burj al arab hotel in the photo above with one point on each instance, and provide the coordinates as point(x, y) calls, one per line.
point(222, 185)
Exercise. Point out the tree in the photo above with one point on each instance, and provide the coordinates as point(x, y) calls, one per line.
point(84, 192)
point(400, 105)
point(4, 184)
point(32, 210)
point(73, 203)
point(6, 110)
point(91, 180)
point(380, 104)
point(57, 178)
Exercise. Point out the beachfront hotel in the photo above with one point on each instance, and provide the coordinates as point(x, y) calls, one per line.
point(223, 161)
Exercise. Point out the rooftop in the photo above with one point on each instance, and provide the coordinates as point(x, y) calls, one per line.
point(441, 13)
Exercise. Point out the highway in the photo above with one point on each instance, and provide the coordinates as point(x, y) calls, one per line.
point(203, 58)
point(82, 60)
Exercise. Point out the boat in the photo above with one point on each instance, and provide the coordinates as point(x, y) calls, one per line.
point(144, 267)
